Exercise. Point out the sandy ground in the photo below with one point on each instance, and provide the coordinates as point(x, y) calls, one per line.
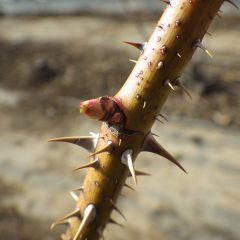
point(48, 65)
point(36, 176)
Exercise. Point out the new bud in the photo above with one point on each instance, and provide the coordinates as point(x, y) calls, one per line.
point(92, 108)
point(107, 109)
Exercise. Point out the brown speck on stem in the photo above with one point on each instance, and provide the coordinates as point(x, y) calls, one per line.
point(138, 96)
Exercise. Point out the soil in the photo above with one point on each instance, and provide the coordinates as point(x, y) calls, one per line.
point(49, 64)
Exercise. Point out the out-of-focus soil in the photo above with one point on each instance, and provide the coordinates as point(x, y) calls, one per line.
point(49, 64)
point(53, 58)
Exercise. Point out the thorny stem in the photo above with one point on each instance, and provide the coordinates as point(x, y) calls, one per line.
point(181, 26)
point(171, 46)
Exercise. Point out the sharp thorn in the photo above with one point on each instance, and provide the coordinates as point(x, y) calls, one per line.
point(75, 213)
point(80, 189)
point(132, 60)
point(167, 83)
point(167, 2)
point(170, 85)
point(178, 83)
point(232, 3)
point(88, 216)
point(127, 186)
point(144, 104)
point(91, 164)
point(117, 210)
point(127, 159)
point(139, 46)
point(154, 134)
point(87, 142)
point(131, 169)
point(179, 55)
point(64, 222)
point(114, 222)
point(74, 196)
point(107, 148)
point(151, 145)
point(200, 45)
point(158, 120)
point(141, 173)
point(161, 115)
point(186, 91)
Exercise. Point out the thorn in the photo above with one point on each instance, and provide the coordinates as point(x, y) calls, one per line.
point(154, 134)
point(116, 223)
point(167, 83)
point(107, 148)
point(232, 3)
point(132, 60)
point(158, 120)
point(139, 46)
point(127, 186)
point(88, 216)
point(208, 33)
point(117, 210)
point(151, 145)
point(126, 159)
point(74, 196)
point(200, 45)
point(75, 213)
point(179, 55)
point(178, 83)
point(144, 104)
point(91, 164)
point(64, 222)
point(141, 173)
point(87, 142)
point(167, 2)
point(161, 115)
point(80, 189)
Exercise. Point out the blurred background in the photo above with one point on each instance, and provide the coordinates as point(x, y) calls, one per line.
point(55, 53)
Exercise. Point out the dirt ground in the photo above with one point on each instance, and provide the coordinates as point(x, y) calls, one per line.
point(49, 64)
